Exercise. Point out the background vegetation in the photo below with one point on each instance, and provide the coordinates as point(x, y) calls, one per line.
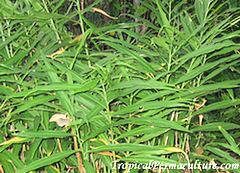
point(155, 80)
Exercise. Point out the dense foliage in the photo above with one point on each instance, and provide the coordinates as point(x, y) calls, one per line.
point(154, 80)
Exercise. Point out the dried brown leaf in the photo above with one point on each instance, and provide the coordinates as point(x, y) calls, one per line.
point(60, 119)
point(103, 13)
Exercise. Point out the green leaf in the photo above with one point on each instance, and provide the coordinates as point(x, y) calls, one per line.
point(206, 67)
point(217, 106)
point(228, 137)
point(34, 102)
point(205, 49)
point(43, 134)
point(138, 148)
point(201, 7)
point(161, 42)
point(45, 161)
point(6, 155)
point(215, 127)
point(222, 154)
point(164, 22)
point(147, 159)
point(76, 88)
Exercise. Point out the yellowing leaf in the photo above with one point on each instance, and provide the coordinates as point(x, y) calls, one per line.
point(107, 153)
point(174, 149)
point(60, 119)
point(77, 38)
point(60, 51)
point(14, 140)
point(112, 33)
